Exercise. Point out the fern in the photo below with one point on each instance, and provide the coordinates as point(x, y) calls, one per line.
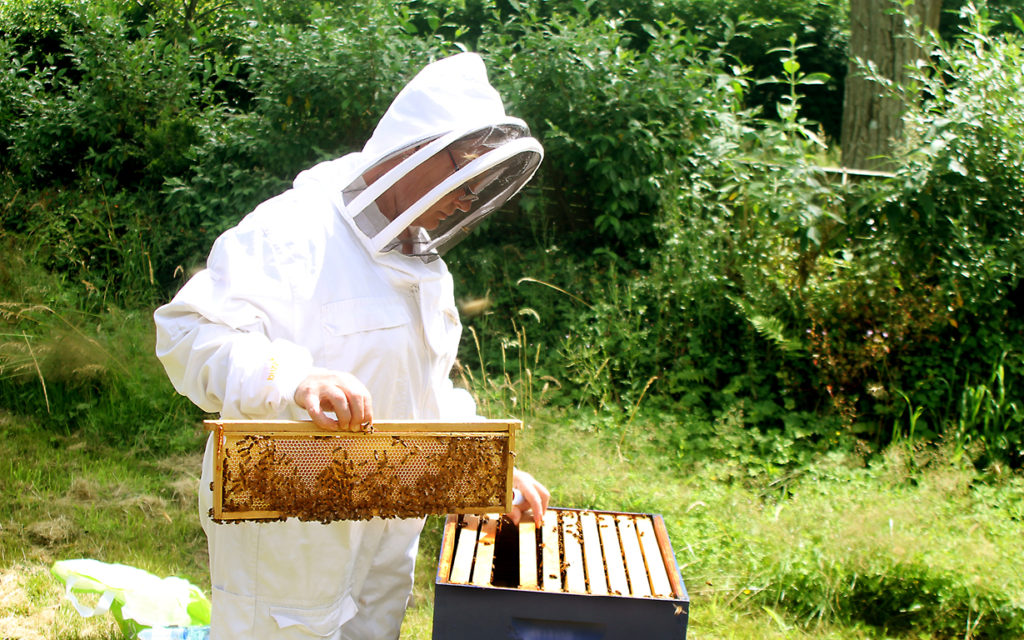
point(769, 327)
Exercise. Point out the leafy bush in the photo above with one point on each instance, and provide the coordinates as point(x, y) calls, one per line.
point(954, 217)
point(611, 119)
point(315, 92)
point(101, 106)
point(100, 247)
point(710, 23)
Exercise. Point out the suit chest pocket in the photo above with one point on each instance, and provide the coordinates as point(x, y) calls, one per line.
point(360, 315)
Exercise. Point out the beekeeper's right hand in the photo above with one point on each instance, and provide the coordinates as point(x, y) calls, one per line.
point(337, 392)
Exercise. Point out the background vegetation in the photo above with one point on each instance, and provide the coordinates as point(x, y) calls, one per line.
point(683, 281)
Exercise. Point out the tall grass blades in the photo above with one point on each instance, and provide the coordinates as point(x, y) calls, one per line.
point(94, 373)
point(992, 415)
point(512, 386)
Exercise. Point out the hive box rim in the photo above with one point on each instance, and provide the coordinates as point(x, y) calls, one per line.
point(681, 597)
point(467, 611)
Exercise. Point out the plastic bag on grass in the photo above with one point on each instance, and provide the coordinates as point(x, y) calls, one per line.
point(137, 599)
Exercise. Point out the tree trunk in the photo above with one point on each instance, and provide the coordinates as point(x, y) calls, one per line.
point(878, 33)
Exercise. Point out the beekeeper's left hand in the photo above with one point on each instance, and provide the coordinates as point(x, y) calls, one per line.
point(532, 496)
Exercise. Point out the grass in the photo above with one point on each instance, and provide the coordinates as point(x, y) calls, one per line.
point(69, 497)
point(907, 546)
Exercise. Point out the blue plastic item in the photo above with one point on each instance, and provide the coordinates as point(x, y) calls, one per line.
point(176, 633)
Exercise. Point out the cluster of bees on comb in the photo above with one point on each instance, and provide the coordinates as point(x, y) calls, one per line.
point(329, 478)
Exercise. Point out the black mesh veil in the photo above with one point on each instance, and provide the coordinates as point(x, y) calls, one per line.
point(424, 199)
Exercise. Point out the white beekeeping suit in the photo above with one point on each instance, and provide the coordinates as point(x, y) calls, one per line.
point(341, 273)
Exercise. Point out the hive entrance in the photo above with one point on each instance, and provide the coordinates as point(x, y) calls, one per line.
point(268, 471)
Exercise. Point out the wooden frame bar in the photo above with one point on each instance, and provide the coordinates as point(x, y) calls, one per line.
point(593, 556)
point(483, 564)
point(265, 427)
point(618, 584)
point(636, 568)
point(572, 553)
point(551, 554)
point(527, 554)
point(465, 551)
point(652, 558)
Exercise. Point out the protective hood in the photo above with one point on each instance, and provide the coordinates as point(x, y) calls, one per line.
point(443, 157)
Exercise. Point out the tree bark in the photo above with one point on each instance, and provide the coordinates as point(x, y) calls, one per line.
point(879, 33)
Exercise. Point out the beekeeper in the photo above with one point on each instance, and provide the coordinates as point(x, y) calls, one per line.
point(330, 302)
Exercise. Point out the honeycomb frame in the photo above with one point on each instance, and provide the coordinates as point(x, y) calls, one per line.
point(274, 470)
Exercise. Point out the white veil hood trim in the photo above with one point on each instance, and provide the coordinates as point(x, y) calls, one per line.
point(447, 100)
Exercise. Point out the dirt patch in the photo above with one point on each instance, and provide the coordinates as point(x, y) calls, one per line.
point(185, 490)
point(18, 617)
point(52, 532)
point(84, 490)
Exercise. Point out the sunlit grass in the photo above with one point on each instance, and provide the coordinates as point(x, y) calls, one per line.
point(808, 557)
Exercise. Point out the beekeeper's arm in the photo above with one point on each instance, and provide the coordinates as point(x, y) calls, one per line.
point(214, 340)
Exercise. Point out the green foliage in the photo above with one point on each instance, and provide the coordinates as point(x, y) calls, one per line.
point(990, 413)
point(81, 372)
point(101, 381)
point(100, 245)
point(312, 93)
point(873, 559)
point(100, 105)
point(953, 217)
point(681, 248)
point(612, 118)
point(712, 23)
point(34, 22)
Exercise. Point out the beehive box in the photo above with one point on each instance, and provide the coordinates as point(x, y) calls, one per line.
point(582, 575)
point(280, 469)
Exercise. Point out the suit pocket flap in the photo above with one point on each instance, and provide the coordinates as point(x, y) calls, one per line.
point(320, 621)
point(363, 314)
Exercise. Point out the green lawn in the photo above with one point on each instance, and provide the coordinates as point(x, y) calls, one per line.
point(908, 546)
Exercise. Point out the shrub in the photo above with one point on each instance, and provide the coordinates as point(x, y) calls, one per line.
point(611, 119)
point(316, 91)
point(954, 217)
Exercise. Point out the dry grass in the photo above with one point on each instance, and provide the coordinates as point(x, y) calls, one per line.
point(32, 608)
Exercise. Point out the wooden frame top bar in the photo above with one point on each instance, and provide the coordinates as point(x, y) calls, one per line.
point(379, 426)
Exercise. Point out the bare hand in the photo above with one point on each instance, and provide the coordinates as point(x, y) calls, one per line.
point(535, 497)
point(339, 392)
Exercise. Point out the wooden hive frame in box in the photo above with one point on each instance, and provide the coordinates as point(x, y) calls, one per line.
point(270, 470)
point(582, 575)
